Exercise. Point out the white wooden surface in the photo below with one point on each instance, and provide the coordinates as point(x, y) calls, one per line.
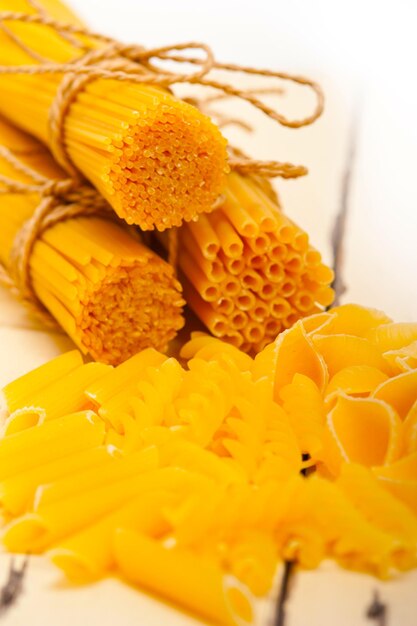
point(363, 53)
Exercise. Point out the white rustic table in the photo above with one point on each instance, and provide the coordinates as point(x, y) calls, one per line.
point(362, 157)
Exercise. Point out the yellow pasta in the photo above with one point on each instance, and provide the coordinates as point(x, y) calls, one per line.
point(17, 492)
point(49, 441)
point(340, 351)
point(54, 401)
point(202, 586)
point(403, 359)
point(409, 431)
point(155, 158)
point(356, 380)
point(206, 476)
point(89, 553)
point(380, 508)
point(19, 392)
point(116, 469)
point(264, 266)
point(392, 336)
point(38, 530)
point(303, 403)
point(109, 292)
point(400, 392)
point(352, 418)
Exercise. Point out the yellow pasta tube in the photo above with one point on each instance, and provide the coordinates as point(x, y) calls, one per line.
point(16, 492)
point(253, 332)
point(254, 202)
point(18, 393)
point(34, 532)
point(201, 588)
point(119, 378)
point(233, 266)
point(212, 269)
point(118, 468)
point(89, 553)
point(206, 237)
point(260, 311)
point(231, 286)
point(230, 242)
point(55, 401)
point(49, 441)
point(224, 306)
point(200, 281)
point(215, 322)
point(245, 300)
point(242, 221)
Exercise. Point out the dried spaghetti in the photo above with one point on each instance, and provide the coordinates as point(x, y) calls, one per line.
point(156, 159)
point(109, 292)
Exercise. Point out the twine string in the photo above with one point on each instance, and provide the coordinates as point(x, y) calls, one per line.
point(72, 197)
point(134, 63)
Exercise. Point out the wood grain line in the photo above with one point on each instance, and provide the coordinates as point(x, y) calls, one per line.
point(284, 594)
point(338, 235)
point(377, 611)
point(13, 588)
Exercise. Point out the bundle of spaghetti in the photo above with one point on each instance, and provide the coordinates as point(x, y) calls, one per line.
point(108, 291)
point(156, 159)
point(106, 111)
point(248, 271)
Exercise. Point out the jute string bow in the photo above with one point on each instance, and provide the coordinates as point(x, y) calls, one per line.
point(117, 61)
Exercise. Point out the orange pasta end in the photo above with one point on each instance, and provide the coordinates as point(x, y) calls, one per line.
point(170, 168)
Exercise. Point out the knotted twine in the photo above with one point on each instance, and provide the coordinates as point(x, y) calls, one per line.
point(64, 199)
point(60, 200)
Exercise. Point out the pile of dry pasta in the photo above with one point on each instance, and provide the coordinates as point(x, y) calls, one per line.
point(155, 467)
point(239, 454)
point(111, 294)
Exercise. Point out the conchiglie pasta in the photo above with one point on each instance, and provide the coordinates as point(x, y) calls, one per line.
point(349, 423)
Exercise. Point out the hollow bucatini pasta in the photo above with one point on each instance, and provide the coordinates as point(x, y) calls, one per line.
point(109, 292)
point(155, 158)
point(220, 466)
point(248, 261)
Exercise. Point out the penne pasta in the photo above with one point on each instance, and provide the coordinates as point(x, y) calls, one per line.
point(202, 587)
